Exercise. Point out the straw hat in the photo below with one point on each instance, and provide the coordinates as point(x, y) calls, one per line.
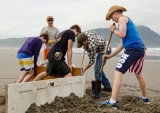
point(113, 9)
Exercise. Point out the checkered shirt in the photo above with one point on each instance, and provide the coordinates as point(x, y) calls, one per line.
point(96, 45)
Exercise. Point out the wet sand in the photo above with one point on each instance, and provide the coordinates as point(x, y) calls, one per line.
point(130, 89)
point(126, 103)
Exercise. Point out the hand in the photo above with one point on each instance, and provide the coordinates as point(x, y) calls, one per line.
point(54, 41)
point(50, 42)
point(40, 65)
point(70, 67)
point(112, 27)
point(84, 47)
point(106, 57)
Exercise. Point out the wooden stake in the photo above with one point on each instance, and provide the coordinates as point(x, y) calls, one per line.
point(6, 98)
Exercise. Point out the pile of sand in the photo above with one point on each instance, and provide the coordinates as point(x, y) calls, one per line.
point(128, 102)
point(86, 104)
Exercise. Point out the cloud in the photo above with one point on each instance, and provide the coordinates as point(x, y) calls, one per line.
point(24, 18)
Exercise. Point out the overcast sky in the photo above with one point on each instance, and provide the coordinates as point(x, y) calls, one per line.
point(24, 18)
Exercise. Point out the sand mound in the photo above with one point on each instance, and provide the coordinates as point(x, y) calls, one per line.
point(86, 104)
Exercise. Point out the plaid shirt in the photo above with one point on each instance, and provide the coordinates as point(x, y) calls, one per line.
point(96, 45)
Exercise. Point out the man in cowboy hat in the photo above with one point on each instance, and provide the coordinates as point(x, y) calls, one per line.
point(133, 56)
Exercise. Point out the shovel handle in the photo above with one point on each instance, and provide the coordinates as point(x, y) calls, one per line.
point(83, 58)
point(105, 53)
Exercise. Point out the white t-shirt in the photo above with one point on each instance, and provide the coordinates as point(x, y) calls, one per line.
point(52, 33)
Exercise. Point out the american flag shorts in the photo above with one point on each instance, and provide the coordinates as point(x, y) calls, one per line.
point(138, 65)
point(131, 59)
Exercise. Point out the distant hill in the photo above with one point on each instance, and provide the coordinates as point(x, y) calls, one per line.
point(149, 37)
point(12, 42)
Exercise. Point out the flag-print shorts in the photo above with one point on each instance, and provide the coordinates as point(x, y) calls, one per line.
point(131, 59)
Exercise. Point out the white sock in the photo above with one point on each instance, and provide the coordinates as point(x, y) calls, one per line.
point(112, 101)
point(144, 97)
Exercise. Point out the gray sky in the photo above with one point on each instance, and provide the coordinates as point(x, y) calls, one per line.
point(24, 18)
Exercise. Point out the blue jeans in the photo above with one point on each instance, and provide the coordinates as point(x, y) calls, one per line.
point(104, 79)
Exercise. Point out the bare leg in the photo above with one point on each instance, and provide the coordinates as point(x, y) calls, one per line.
point(22, 77)
point(68, 75)
point(142, 84)
point(40, 76)
point(28, 76)
point(116, 84)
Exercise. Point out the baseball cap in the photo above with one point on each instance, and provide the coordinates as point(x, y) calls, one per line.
point(80, 39)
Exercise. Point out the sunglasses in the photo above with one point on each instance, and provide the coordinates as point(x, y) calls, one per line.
point(49, 20)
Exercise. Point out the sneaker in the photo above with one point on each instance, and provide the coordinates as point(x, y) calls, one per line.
point(107, 102)
point(145, 101)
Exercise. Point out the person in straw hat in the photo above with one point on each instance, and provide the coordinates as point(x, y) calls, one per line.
point(133, 56)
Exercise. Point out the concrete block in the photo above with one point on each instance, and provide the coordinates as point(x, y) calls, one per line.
point(22, 95)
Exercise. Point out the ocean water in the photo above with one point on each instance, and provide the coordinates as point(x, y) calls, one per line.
point(151, 53)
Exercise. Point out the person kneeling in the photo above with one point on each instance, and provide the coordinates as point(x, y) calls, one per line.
point(56, 55)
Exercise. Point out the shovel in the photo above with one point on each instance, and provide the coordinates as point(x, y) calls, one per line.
point(96, 84)
point(82, 61)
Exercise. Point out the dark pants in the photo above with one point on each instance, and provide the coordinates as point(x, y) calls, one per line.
point(57, 66)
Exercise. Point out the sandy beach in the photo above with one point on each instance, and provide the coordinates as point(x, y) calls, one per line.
point(10, 72)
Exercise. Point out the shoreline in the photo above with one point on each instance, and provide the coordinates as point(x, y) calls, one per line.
point(79, 51)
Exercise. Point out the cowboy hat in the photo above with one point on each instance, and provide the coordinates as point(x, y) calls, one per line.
point(113, 9)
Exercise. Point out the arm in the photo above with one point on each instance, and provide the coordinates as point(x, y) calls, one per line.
point(69, 53)
point(122, 27)
point(91, 56)
point(88, 66)
point(44, 63)
point(36, 52)
point(118, 49)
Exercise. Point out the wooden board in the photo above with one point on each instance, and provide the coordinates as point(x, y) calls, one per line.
point(6, 104)
point(75, 71)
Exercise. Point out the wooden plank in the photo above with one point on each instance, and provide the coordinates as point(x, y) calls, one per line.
point(75, 71)
point(6, 99)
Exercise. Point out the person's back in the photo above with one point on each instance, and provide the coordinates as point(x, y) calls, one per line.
point(132, 40)
point(30, 48)
point(62, 42)
point(96, 42)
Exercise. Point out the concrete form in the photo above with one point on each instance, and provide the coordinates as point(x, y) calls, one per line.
point(22, 95)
